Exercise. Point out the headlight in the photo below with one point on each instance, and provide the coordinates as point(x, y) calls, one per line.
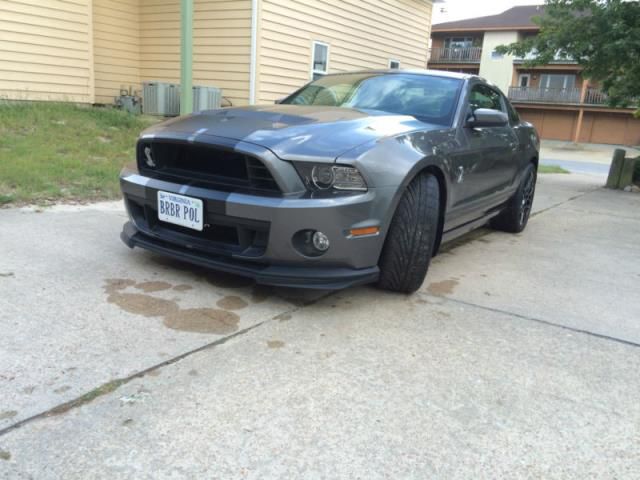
point(322, 176)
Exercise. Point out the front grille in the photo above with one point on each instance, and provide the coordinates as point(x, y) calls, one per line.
point(205, 165)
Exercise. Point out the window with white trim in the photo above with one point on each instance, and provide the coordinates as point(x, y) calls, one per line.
point(394, 64)
point(557, 80)
point(524, 80)
point(320, 60)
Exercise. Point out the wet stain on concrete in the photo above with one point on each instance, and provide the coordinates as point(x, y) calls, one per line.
point(145, 305)
point(196, 320)
point(149, 287)
point(232, 302)
point(8, 414)
point(62, 389)
point(183, 288)
point(275, 344)
point(444, 287)
point(116, 284)
point(283, 317)
point(193, 372)
point(7, 274)
point(127, 422)
point(5, 455)
point(227, 280)
point(203, 320)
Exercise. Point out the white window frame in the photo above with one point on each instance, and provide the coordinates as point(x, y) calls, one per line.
point(465, 40)
point(393, 60)
point(313, 53)
point(524, 75)
point(566, 76)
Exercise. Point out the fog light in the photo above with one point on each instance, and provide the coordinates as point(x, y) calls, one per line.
point(321, 241)
point(310, 243)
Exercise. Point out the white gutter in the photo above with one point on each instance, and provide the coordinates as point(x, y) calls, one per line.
point(253, 67)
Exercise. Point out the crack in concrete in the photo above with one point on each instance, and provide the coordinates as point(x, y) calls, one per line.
point(570, 199)
point(115, 384)
point(544, 322)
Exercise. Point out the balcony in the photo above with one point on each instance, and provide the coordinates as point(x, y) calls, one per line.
point(455, 55)
point(593, 96)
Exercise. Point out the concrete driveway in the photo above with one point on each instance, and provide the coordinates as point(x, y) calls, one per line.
point(518, 358)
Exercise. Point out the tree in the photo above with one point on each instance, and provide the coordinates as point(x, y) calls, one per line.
point(603, 36)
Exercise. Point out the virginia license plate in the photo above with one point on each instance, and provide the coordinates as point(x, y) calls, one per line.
point(180, 210)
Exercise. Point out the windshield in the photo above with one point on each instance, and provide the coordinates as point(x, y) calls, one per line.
point(429, 98)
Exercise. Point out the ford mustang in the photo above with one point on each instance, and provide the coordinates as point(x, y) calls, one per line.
point(354, 178)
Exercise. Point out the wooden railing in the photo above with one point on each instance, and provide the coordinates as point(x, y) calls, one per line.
point(546, 95)
point(455, 55)
point(593, 96)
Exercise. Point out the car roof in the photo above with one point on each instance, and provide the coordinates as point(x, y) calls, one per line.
point(432, 73)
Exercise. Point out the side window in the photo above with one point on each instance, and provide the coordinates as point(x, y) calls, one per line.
point(320, 60)
point(514, 118)
point(482, 96)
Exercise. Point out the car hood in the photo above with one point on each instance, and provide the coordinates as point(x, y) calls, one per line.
point(294, 132)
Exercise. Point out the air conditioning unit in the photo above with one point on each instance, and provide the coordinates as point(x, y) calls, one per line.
point(164, 98)
point(206, 98)
point(161, 99)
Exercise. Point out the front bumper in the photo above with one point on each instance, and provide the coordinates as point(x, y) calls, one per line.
point(261, 247)
point(282, 276)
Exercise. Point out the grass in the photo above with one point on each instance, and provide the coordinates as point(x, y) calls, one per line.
point(551, 169)
point(58, 151)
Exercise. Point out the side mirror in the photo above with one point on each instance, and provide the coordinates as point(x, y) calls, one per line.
point(487, 117)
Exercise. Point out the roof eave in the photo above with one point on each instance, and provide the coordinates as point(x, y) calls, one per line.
point(529, 28)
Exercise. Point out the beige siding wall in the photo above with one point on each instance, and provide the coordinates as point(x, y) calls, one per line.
point(222, 44)
point(116, 46)
point(361, 34)
point(46, 50)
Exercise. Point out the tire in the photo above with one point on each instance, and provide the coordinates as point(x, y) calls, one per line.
point(411, 237)
point(514, 217)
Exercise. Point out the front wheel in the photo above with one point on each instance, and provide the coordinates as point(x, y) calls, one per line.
point(411, 238)
point(516, 214)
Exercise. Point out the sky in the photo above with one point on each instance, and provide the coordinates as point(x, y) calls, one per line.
point(461, 9)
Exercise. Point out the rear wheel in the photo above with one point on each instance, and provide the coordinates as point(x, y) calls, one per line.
point(411, 237)
point(516, 214)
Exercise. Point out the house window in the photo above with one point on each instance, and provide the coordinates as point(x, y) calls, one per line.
point(394, 64)
point(557, 80)
point(320, 60)
point(524, 80)
point(458, 42)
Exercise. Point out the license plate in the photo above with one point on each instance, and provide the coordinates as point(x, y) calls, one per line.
point(180, 210)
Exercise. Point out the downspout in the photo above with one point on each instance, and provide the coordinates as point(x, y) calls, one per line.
point(186, 57)
point(253, 67)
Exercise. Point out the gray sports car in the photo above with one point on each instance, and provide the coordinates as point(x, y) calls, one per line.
point(354, 178)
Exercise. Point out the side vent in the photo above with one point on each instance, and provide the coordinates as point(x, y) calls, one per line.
point(259, 176)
